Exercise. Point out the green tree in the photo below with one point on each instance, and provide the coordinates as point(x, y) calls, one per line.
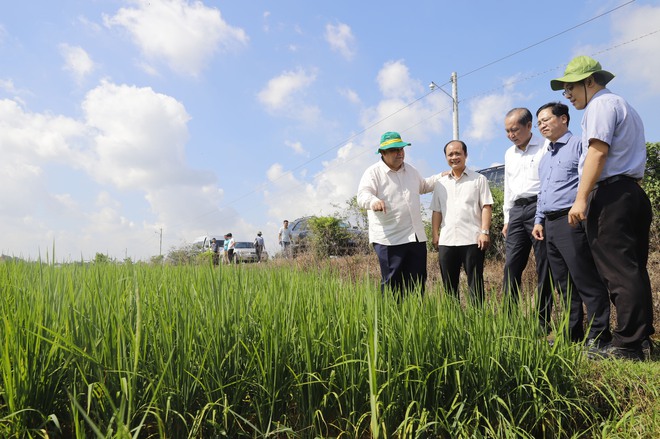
point(355, 213)
point(100, 258)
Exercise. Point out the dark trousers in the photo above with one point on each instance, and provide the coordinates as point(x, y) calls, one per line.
point(519, 241)
point(618, 224)
point(575, 276)
point(451, 259)
point(402, 267)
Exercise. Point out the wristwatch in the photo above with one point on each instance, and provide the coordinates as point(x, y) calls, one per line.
point(485, 231)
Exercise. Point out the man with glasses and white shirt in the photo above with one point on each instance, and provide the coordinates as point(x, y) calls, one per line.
point(521, 188)
point(617, 211)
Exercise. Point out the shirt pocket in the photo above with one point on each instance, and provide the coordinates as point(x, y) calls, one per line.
point(566, 171)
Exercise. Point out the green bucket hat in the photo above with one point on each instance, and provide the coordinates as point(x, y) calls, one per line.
point(389, 140)
point(579, 68)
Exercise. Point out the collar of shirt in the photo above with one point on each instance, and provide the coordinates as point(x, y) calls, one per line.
point(464, 173)
point(553, 147)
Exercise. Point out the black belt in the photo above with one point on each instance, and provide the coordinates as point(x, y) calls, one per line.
point(614, 179)
point(551, 216)
point(525, 201)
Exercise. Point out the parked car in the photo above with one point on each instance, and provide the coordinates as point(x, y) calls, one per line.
point(244, 251)
point(301, 232)
point(203, 243)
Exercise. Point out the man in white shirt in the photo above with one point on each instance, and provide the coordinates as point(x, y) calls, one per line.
point(390, 191)
point(521, 188)
point(462, 204)
point(284, 238)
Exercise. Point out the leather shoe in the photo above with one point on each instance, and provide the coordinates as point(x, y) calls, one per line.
point(617, 352)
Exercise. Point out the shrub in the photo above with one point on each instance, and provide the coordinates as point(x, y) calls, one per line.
point(651, 185)
point(327, 237)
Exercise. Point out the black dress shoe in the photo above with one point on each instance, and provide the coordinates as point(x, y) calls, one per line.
point(618, 352)
point(647, 349)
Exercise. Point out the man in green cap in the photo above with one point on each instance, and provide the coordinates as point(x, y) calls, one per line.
point(616, 209)
point(390, 190)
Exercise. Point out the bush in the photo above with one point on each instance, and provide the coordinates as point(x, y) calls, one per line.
point(327, 237)
point(497, 248)
point(651, 185)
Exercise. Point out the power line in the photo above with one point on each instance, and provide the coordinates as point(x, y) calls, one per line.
point(546, 39)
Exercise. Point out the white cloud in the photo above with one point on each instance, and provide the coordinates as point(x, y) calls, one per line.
point(394, 81)
point(341, 39)
point(639, 61)
point(130, 143)
point(296, 147)
point(266, 25)
point(283, 95)
point(393, 112)
point(279, 90)
point(487, 113)
point(350, 95)
point(76, 61)
point(7, 85)
point(184, 34)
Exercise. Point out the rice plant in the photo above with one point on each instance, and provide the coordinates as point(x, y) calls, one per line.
point(139, 351)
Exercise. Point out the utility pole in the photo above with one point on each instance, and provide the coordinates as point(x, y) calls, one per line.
point(160, 248)
point(454, 98)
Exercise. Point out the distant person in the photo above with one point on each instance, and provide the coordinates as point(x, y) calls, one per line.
point(225, 253)
point(462, 204)
point(215, 249)
point(521, 188)
point(573, 270)
point(284, 238)
point(231, 244)
point(617, 211)
point(259, 245)
point(390, 190)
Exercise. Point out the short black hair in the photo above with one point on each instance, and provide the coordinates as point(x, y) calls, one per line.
point(457, 141)
point(525, 115)
point(558, 109)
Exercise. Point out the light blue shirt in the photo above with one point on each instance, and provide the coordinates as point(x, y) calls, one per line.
point(558, 172)
point(609, 118)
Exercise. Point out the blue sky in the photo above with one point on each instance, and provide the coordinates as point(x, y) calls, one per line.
point(119, 119)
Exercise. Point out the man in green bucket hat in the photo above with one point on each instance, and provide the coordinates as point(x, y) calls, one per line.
point(390, 190)
point(616, 209)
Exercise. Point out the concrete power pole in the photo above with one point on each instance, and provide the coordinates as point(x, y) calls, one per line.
point(454, 97)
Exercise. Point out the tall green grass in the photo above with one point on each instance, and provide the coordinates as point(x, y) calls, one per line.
point(138, 351)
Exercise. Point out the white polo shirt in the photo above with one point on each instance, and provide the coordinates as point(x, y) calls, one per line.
point(400, 190)
point(460, 201)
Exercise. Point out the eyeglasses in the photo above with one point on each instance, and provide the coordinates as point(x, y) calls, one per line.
point(546, 120)
point(568, 90)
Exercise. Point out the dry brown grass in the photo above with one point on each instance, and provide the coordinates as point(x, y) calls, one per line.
point(357, 267)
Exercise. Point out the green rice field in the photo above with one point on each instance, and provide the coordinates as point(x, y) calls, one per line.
point(122, 351)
